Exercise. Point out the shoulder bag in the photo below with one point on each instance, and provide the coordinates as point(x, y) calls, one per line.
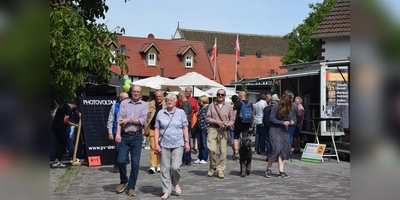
point(159, 141)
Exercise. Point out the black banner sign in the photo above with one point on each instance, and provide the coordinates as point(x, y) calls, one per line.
point(95, 112)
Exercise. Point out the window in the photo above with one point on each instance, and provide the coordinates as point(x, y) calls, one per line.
point(189, 61)
point(258, 54)
point(114, 54)
point(242, 54)
point(151, 60)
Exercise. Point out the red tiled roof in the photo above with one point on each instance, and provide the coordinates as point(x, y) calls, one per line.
point(336, 23)
point(173, 65)
point(249, 67)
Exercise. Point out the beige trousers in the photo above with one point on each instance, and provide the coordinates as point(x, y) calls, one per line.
point(154, 158)
point(217, 137)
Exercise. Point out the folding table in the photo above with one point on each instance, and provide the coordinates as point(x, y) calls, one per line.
point(332, 119)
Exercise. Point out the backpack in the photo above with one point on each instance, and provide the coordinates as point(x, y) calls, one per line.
point(246, 113)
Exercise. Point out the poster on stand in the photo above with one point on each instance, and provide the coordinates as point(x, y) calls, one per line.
point(313, 153)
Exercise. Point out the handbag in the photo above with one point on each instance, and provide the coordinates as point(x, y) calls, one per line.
point(159, 141)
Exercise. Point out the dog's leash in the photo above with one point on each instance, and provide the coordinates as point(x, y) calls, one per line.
point(290, 154)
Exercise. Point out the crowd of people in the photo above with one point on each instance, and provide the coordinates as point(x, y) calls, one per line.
point(170, 121)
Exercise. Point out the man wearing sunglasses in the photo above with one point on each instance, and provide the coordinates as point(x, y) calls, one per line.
point(220, 117)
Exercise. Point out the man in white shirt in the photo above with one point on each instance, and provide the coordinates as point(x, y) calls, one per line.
point(258, 116)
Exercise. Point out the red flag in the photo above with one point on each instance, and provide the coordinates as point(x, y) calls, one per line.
point(214, 52)
point(237, 48)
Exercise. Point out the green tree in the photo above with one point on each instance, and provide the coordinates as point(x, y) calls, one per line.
point(300, 45)
point(78, 47)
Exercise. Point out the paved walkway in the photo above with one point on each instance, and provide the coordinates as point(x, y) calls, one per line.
point(329, 180)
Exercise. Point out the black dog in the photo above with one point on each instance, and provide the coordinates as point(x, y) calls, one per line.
point(246, 155)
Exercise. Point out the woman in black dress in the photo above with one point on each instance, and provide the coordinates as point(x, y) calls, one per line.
point(282, 115)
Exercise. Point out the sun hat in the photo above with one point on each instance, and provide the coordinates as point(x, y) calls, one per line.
point(275, 97)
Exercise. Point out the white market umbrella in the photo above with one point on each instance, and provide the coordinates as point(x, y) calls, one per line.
point(213, 92)
point(196, 92)
point(151, 84)
point(192, 79)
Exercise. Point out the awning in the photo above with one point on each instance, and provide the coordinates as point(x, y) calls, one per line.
point(297, 73)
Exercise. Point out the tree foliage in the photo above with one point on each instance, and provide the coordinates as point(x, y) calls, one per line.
point(78, 46)
point(300, 45)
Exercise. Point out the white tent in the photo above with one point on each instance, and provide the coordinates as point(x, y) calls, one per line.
point(151, 84)
point(192, 79)
point(196, 92)
point(213, 92)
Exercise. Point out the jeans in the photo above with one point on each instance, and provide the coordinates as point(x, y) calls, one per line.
point(64, 141)
point(202, 144)
point(187, 156)
point(260, 131)
point(129, 144)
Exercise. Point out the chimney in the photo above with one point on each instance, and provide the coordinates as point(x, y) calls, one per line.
point(162, 71)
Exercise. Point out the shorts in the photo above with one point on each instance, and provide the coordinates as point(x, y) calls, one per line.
point(241, 128)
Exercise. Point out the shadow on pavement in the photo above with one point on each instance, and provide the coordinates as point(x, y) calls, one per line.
point(110, 187)
point(149, 189)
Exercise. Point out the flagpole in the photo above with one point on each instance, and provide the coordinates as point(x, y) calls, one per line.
point(215, 60)
point(237, 37)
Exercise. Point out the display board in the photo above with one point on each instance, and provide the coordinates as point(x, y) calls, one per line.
point(335, 97)
point(313, 153)
point(95, 112)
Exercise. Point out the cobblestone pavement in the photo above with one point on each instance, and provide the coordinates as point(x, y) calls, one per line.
point(329, 180)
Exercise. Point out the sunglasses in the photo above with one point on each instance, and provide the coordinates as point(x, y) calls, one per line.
point(218, 94)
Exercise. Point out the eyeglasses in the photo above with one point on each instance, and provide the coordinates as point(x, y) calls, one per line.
point(218, 94)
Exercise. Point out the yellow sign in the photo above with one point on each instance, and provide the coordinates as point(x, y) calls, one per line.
point(336, 76)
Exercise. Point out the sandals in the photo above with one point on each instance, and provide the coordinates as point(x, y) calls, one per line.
point(178, 190)
point(165, 196)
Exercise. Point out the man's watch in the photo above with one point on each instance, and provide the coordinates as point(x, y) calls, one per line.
point(186, 141)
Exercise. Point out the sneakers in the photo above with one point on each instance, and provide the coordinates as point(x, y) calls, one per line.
point(58, 164)
point(146, 147)
point(158, 170)
point(194, 151)
point(116, 168)
point(198, 161)
point(296, 151)
point(131, 192)
point(120, 188)
point(268, 173)
point(203, 162)
point(283, 175)
point(221, 175)
point(77, 160)
point(235, 156)
point(152, 170)
point(210, 173)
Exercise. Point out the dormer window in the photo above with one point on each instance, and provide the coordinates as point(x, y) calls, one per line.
point(186, 55)
point(151, 60)
point(189, 61)
point(149, 52)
